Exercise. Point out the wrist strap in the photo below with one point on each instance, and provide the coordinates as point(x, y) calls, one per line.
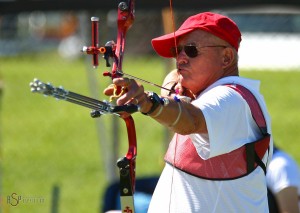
point(155, 100)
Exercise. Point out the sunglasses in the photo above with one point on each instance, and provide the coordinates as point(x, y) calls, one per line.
point(191, 50)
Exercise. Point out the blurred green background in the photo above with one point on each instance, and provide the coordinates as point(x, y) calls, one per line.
point(47, 143)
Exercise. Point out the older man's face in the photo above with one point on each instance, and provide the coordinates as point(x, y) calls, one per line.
point(199, 72)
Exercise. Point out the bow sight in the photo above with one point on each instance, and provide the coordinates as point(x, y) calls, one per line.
point(108, 50)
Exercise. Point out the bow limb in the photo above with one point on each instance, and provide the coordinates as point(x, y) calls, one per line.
point(132, 149)
point(125, 21)
point(127, 169)
point(127, 164)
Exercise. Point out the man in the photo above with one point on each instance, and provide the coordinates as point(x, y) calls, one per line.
point(206, 169)
point(283, 180)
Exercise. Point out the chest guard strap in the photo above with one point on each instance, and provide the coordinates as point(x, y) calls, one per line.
point(182, 153)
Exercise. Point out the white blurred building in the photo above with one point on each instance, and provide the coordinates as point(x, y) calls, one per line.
point(270, 37)
point(270, 51)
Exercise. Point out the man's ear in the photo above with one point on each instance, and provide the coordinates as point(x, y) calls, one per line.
point(228, 56)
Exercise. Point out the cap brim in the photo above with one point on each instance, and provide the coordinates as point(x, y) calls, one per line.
point(163, 44)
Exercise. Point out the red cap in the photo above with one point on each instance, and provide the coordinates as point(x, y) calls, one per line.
point(216, 24)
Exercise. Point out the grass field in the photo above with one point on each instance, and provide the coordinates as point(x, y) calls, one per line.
point(47, 143)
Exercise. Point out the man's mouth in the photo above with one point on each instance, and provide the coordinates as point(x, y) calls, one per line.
point(181, 69)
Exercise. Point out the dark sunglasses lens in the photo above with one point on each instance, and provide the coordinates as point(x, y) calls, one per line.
point(191, 51)
point(175, 51)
